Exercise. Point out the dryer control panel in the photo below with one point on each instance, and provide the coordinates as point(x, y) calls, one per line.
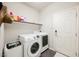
point(13, 44)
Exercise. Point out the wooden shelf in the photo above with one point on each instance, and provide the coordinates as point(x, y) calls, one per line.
point(29, 23)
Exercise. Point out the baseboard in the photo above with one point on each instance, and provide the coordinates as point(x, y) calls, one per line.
point(52, 49)
point(62, 54)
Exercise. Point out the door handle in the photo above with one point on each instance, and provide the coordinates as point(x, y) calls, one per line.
point(55, 32)
point(76, 34)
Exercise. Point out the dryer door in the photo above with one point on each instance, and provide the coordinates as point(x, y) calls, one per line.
point(34, 48)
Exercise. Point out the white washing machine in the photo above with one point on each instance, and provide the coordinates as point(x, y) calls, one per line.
point(31, 45)
point(44, 40)
point(13, 49)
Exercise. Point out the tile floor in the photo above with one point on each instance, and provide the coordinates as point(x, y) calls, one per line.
point(51, 53)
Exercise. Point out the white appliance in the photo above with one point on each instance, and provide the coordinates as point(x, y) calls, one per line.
point(44, 40)
point(32, 45)
point(13, 49)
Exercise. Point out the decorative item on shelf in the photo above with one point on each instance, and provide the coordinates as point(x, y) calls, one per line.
point(15, 18)
point(11, 15)
point(22, 18)
point(18, 18)
point(4, 17)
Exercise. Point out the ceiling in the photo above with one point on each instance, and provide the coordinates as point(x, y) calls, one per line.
point(38, 5)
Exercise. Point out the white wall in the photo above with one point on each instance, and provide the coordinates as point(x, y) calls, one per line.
point(47, 17)
point(21, 9)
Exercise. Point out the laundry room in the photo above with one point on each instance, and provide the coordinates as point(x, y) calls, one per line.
point(39, 29)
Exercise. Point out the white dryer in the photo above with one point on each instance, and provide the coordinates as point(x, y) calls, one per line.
point(44, 40)
point(31, 45)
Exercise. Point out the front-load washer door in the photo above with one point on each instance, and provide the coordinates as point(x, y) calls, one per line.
point(34, 48)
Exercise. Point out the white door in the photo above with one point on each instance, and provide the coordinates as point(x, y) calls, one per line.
point(64, 32)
